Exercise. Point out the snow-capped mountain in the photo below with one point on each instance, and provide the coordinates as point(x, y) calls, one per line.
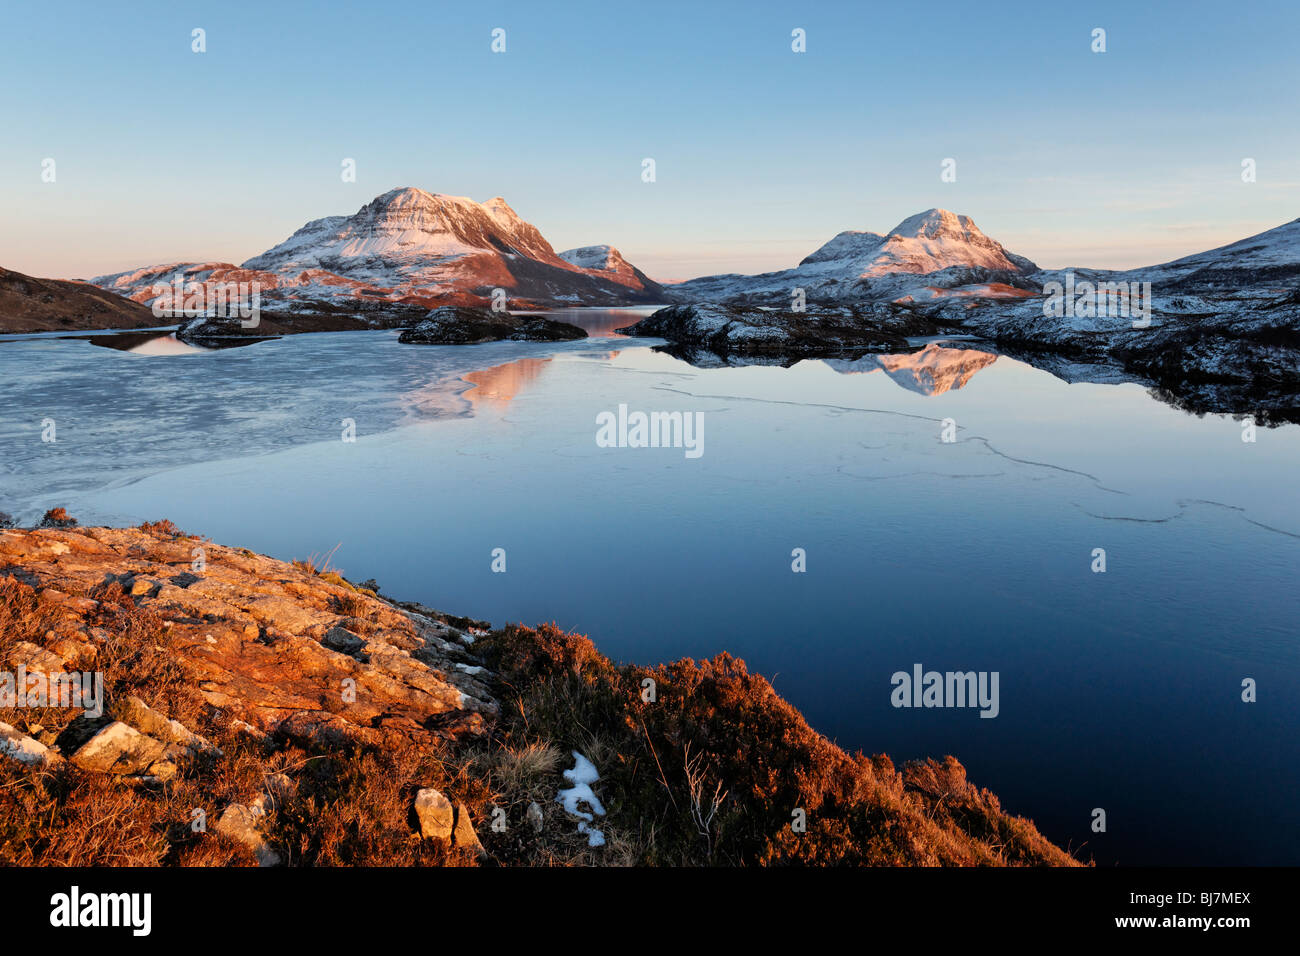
point(411, 247)
point(1254, 282)
point(927, 242)
point(950, 250)
point(606, 262)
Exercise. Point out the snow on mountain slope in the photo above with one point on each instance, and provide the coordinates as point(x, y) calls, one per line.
point(417, 248)
point(867, 265)
point(606, 262)
point(405, 231)
point(1270, 257)
point(938, 254)
point(139, 284)
point(426, 244)
point(938, 239)
point(308, 290)
point(599, 258)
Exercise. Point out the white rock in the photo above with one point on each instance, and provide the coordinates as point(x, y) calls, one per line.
point(436, 815)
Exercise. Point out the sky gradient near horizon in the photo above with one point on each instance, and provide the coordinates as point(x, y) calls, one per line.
point(1069, 157)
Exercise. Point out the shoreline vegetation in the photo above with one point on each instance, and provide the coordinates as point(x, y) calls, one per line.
point(256, 711)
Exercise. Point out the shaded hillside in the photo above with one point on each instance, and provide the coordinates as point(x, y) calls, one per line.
point(56, 305)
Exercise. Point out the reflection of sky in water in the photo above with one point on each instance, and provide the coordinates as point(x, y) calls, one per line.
point(1117, 690)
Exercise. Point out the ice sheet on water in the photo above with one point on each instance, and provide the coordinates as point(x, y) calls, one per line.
point(119, 416)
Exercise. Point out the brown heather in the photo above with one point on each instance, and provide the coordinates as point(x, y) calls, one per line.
point(710, 773)
point(717, 724)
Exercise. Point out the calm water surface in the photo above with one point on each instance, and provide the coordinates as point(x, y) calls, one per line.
point(1119, 690)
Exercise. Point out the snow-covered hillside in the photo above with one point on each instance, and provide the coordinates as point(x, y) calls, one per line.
point(855, 266)
point(412, 247)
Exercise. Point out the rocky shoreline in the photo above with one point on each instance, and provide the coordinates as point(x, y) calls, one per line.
point(255, 711)
point(446, 325)
point(1202, 354)
point(824, 333)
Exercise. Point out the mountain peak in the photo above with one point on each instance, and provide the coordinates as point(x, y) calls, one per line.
point(403, 196)
point(937, 224)
point(602, 258)
point(500, 210)
point(929, 241)
point(412, 242)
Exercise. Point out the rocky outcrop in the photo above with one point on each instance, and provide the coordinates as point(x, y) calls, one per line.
point(224, 331)
point(283, 650)
point(243, 825)
point(24, 749)
point(457, 325)
point(435, 813)
point(439, 820)
point(744, 330)
point(1207, 353)
point(118, 748)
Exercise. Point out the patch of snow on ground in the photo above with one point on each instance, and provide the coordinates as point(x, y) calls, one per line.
point(582, 776)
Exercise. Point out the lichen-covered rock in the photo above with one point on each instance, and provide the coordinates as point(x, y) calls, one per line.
point(259, 638)
point(242, 824)
point(464, 836)
point(121, 749)
point(135, 712)
point(24, 749)
point(435, 814)
point(439, 820)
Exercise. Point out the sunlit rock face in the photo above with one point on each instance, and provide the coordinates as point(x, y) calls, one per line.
point(266, 642)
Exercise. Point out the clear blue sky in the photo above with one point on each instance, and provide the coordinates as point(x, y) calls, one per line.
point(1066, 156)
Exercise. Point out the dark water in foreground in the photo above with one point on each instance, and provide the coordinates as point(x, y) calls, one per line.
point(1119, 690)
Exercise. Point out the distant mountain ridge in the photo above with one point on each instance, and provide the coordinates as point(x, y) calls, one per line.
point(856, 265)
point(938, 254)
